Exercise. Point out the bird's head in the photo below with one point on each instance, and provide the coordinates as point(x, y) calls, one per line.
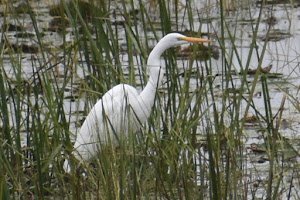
point(169, 41)
point(177, 39)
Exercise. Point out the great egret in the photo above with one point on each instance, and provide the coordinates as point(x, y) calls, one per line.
point(123, 108)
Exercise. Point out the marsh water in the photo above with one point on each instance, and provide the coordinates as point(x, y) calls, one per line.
point(281, 20)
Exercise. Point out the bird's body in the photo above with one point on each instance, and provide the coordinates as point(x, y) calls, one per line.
point(123, 108)
point(119, 111)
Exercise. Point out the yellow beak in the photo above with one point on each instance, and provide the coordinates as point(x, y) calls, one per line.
point(192, 39)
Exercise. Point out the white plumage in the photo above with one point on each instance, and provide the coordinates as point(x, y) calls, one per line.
point(123, 108)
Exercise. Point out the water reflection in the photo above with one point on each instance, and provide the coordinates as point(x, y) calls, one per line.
point(279, 27)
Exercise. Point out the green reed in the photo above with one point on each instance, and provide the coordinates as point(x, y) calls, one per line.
point(165, 159)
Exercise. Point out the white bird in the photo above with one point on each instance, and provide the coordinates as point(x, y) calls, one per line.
point(123, 108)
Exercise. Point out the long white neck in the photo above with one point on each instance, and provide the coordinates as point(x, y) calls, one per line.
point(156, 73)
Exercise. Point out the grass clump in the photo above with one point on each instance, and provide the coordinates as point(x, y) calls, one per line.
point(193, 145)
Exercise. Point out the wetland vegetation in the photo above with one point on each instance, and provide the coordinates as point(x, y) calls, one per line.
point(225, 124)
